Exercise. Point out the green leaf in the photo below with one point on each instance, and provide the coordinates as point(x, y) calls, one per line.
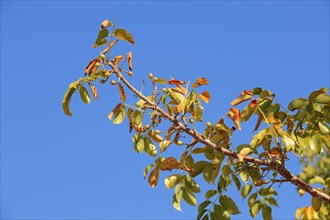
point(140, 145)
point(191, 184)
point(172, 180)
point(297, 103)
point(265, 93)
point(199, 167)
point(288, 143)
point(271, 201)
point(323, 128)
point(149, 147)
point(256, 91)
point(244, 177)
point(210, 193)
point(316, 93)
point(198, 113)
point(267, 212)
point(120, 115)
point(67, 99)
point(123, 34)
point(252, 199)
point(84, 95)
point(188, 196)
point(318, 180)
point(246, 190)
point(137, 118)
point(267, 192)
point(147, 169)
point(248, 112)
point(164, 145)
point(236, 180)
point(316, 204)
point(100, 42)
point(177, 197)
point(202, 208)
point(255, 209)
point(161, 81)
point(189, 162)
point(229, 205)
point(102, 34)
point(322, 99)
point(207, 172)
point(315, 143)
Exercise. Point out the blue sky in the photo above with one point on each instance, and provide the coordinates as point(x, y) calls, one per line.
point(83, 167)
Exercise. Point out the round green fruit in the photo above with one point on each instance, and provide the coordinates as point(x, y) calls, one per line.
point(208, 124)
point(102, 57)
point(180, 143)
point(191, 121)
point(113, 82)
point(150, 75)
point(130, 73)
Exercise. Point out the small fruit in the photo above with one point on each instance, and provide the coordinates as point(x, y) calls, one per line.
point(113, 82)
point(150, 75)
point(102, 57)
point(191, 121)
point(208, 124)
point(147, 127)
point(164, 90)
point(97, 64)
point(218, 126)
point(157, 131)
point(180, 143)
point(130, 73)
point(154, 79)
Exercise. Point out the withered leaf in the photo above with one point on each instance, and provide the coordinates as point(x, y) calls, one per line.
point(169, 164)
point(260, 118)
point(153, 177)
point(93, 90)
point(106, 23)
point(116, 60)
point(113, 112)
point(235, 115)
point(121, 92)
point(244, 96)
point(123, 34)
point(91, 65)
point(205, 96)
point(129, 58)
point(199, 82)
point(176, 82)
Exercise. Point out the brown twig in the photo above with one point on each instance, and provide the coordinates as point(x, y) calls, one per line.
point(287, 175)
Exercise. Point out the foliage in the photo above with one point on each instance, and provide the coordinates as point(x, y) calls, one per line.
point(253, 168)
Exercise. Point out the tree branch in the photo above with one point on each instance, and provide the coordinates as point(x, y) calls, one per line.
point(273, 165)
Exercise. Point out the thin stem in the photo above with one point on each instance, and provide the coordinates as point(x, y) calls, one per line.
point(273, 165)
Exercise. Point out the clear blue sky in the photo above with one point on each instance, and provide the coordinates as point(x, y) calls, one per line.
point(56, 167)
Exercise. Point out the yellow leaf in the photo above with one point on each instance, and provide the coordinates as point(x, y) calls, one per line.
point(205, 96)
point(199, 82)
point(309, 212)
point(121, 92)
point(129, 58)
point(245, 95)
point(235, 115)
point(113, 112)
point(241, 155)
